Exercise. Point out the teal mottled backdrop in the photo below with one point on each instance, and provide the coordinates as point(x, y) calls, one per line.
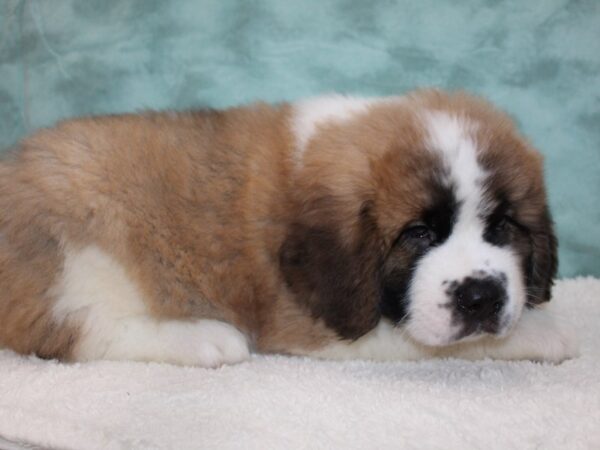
point(539, 60)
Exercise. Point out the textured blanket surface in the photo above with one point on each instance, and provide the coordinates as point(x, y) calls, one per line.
point(282, 402)
point(539, 60)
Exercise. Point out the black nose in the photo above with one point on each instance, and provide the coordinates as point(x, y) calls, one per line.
point(480, 298)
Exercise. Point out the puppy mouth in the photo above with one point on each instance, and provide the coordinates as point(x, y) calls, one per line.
point(473, 331)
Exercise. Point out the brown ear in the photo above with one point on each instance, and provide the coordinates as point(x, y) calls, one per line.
point(337, 282)
point(542, 263)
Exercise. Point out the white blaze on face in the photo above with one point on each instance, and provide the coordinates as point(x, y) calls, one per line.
point(465, 252)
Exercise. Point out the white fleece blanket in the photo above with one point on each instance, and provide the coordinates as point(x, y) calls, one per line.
point(284, 403)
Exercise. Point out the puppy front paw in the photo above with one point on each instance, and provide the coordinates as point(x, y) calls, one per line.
point(557, 340)
point(540, 335)
point(204, 343)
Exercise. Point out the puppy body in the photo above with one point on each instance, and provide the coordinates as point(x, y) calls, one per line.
point(196, 237)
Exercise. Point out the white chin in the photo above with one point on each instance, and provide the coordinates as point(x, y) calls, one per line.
point(444, 340)
point(428, 338)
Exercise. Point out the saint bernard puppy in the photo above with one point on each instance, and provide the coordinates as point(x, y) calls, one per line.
point(337, 227)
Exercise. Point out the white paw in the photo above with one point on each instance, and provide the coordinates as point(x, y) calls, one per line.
point(204, 343)
point(540, 335)
point(557, 341)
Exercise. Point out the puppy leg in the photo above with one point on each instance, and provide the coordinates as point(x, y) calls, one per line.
point(384, 343)
point(204, 343)
point(539, 336)
point(96, 294)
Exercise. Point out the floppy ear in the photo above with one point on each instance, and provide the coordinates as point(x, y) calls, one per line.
point(338, 282)
point(542, 263)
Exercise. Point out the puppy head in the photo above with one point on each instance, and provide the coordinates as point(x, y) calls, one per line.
point(429, 210)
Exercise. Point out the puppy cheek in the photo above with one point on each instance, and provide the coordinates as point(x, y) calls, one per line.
point(516, 294)
point(431, 328)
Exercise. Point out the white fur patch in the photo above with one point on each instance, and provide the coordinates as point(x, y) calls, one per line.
point(309, 114)
point(465, 252)
point(96, 293)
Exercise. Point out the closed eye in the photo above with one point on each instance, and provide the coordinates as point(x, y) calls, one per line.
point(417, 236)
point(501, 228)
point(418, 232)
point(500, 224)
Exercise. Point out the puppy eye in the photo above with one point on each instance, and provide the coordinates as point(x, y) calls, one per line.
point(499, 230)
point(418, 238)
point(501, 224)
point(418, 233)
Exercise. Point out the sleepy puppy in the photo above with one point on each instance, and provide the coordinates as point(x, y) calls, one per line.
point(393, 228)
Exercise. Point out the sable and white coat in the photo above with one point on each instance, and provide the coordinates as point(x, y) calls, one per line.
point(335, 227)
